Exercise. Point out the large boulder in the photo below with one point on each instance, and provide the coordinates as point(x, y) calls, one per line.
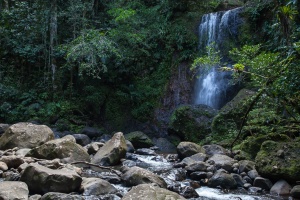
point(151, 192)
point(222, 161)
point(41, 179)
point(96, 186)
point(64, 148)
point(139, 139)
point(222, 179)
point(192, 122)
point(112, 151)
point(279, 160)
point(25, 135)
point(15, 190)
point(136, 175)
point(281, 188)
point(186, 149)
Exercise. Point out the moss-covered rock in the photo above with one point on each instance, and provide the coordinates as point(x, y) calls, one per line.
point(192, 122)
point(139, 139)
point(279, 160)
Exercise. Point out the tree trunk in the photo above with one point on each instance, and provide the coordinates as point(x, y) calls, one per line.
point(53, 40)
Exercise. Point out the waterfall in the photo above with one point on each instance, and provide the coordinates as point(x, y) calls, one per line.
point(219, 29)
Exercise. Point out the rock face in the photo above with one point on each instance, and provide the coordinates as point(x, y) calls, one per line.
point(186, 149)
point(41, 179)
point(279, 160)
point(13, 190)
point(222, 179)
point(192, 122)
point(139, 139)
point(136, 175)
point(112, 151)
point(96, 186)
point(150, 192)
point(25, 135)
point(65, 148)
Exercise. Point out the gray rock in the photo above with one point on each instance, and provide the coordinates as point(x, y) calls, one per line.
point(22, 152)
point(253, 174)
point(247, 179)
point(247, 185)
point(198, 175)
point(130, 147)
point(198, 166)
point(139, 139)
point(64, 148)
point(35, 197)
point(222, 161)
point(145, 151)
point(3, 128)
point(254, 190)
point(41, 179)
point(93, 147)
point(295, 192)
point(194, 158)
point(246, 166)
point(164, 145)
point(112, 151)
point(151, 192)
point(136, 175)
point(60, 196)
point(96, 186)
point(13, 190)
point(214, 149)
point(186, 149)
point(263, 183)
point(239, 180)
point(12, 161)
point(25, 135)
point(11, 176)
point(91, 132)
point(222, 179)
point(82, 139)
point(281, 187)
point(3, 166)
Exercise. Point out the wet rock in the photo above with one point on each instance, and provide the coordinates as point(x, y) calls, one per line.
point(91, 132)
point(254, 190)
point(281, 187)
point(41, 179)
point(253, 174)
point(13, 190)
point(198, 166)
point(82, 139)
point(150, 192)
point(295, 192)
point(222, 161)
point(25, 135)
point(112, 151)
point(93, 147)
point(130, 147)
point(198, 175)
point(12, 161)
point(184, 190)
point(239, 180)
point(263, 183)
point(246, 165)
point(194, 158)
point(145, 151)
point(96, 186)
point(57, 195)
point(128, 163)
point(186, 149)
point(136, 175)
point(215, 149)
point(3, 166)
point(64, 148)
point(11, 176)
point(247, 185)
point(247, 179)
point(139, 139)
point(222, 179)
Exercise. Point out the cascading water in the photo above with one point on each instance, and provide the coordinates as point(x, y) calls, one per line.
point(217, 29)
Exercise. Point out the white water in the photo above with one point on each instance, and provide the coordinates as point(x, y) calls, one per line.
point(215, 29)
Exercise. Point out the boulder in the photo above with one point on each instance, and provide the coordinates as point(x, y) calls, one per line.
point(130, 147)
point(246, 166)
point(194, 158)
point(12, 161)
point(295, 192)
point(82, 139)
point(263, 183)
point(164, 145)
point(192, 122)
point(139, 139)
point(93, 147)
point(3, 166)
point(136, 175)
point(96, 186)
point(222, 179)
point(3, 128)
point(64, 148)
point(13, 190)
point(35, 197)
point(279, 160)
point(112, 151)
point(61, 196)
point(91, 132)
point(222, 161)
point(151, 192)
point(25, 135)
point(253, 174)
point(197, 166)
point(41, 180)
point(281, 188)
point(214, 149)
point(186, 149)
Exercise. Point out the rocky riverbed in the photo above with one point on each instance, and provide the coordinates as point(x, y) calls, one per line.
point(35, 165)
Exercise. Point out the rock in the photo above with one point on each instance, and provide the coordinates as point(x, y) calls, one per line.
point(192, 122)
point(60, 196)
point(91, 132)
point(11, 176)
point(238, 179)
point(64, 148)
point(136, 175)
point(198, 166)
point(247, 179)
point(186, 149)
point(12, 161)
point(112, 151)
point(246, 165)
point(184, 190)
point(214, 149)
point(222, 179)
point(145, 151)
point(254, 190)
point(151, 192)
point(164, 145)
point(222, 161)
point(13, 190)
point(3, 166)
point(93, 147)
point(281, 188)
point(3, 128)
point(263, 183)
point(139, 139)
point(82, 139)
point(198, 175)
point(25, 135)
point(270, 165)
point(130, 147)
point(22, 152)
point(41, 180)
point(35, 197)
point(253, 174)
point(195, 158)
point(295, 192)
point(96, 186)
